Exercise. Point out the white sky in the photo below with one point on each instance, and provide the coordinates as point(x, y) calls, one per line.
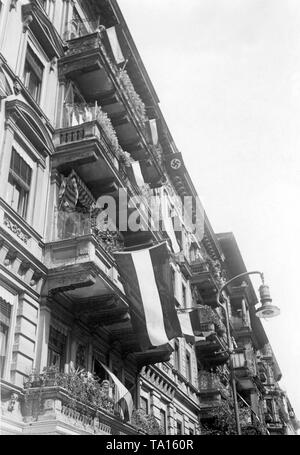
point(227, 73)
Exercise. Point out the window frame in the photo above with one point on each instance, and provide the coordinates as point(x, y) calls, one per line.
point(32, 60)
point(52, 348)
point(146, 402)
point(164, 424)
point(16, 181)
point(177, 355)
point(188, 366)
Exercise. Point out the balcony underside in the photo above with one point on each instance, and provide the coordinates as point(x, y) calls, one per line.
point(86, 274)
point(211, 351)
point(244, 382)
point(90, 157)
point(126, 336)
point(206, 285)
point(92, 74)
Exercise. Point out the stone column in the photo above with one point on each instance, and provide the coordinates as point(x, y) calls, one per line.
point(155, 404)
point(43, 338)
point(170, 419)
point(38, 214)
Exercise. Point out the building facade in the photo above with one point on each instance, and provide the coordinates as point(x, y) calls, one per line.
point(80, 127)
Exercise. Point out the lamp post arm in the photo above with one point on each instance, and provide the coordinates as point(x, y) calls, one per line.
point(235, 278)
point(225, 308)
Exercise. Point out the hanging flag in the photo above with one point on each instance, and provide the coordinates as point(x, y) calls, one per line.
point(190, 325)
point(123, 394)
point(175, 163)
point(167, 220)
point(68, 193)
point(148, 283)
point(138, 176)
point(115, 45)
point(152, 126)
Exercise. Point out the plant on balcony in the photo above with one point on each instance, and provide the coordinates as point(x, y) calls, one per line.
point(209, 316)
point(134, 98)
point(222, 421)
point(81, 386)
point(109, 130)
point(146, 422)
point(110, 240)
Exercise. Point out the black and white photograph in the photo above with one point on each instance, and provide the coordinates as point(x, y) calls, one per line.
point(149, 221)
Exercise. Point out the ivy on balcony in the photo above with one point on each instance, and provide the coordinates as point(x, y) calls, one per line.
point(222, 421)
point(132, 96)
point(209, 316)
point(80, 385)
point(146, 422)
point(79, 113)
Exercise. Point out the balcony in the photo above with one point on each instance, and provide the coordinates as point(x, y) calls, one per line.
point(241, 326)
point(88, 144)
point(59, 403)
point(211, 391)
point(80, 263)
point(207, 277)
point(210, 321)
point(245, 368)
point(212, 351)
point(210, 384)
point(88, 63)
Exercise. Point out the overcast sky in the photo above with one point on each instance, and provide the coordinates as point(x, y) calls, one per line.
point(227, 73)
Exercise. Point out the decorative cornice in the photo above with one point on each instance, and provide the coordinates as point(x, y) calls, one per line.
point(16, 229)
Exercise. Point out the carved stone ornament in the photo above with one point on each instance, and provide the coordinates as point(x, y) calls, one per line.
point(16, 229)
point(14, 398)
point(17, 87)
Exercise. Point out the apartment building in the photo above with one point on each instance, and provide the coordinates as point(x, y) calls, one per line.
point(85, 150)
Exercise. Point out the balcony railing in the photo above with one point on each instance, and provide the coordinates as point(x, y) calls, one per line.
point(91, 37)
point(207, 267)
point(76, 399)
point(209, 381)
point(210, 320)
point(245, 360)
point(71, 225)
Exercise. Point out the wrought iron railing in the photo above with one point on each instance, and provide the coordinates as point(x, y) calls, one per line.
point(71, 225)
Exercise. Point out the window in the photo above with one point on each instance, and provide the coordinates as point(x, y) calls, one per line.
point(179, 427)
point(5, 313)
point(144, 404)
point(33, 74)
point(163, 421)
point(19, 184)
point(56, 348)
point(176, 356)
point(173, 279)
point(188, 367)
point(184, 295)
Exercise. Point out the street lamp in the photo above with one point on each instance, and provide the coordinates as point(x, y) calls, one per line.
point(266, 310)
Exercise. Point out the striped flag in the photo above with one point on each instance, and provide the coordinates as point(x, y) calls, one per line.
point(123, 396)
point(152, 129)
point(190, 325)
point(68, 193)
point(148, 283)
point(115, 45)
point(167, 220)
